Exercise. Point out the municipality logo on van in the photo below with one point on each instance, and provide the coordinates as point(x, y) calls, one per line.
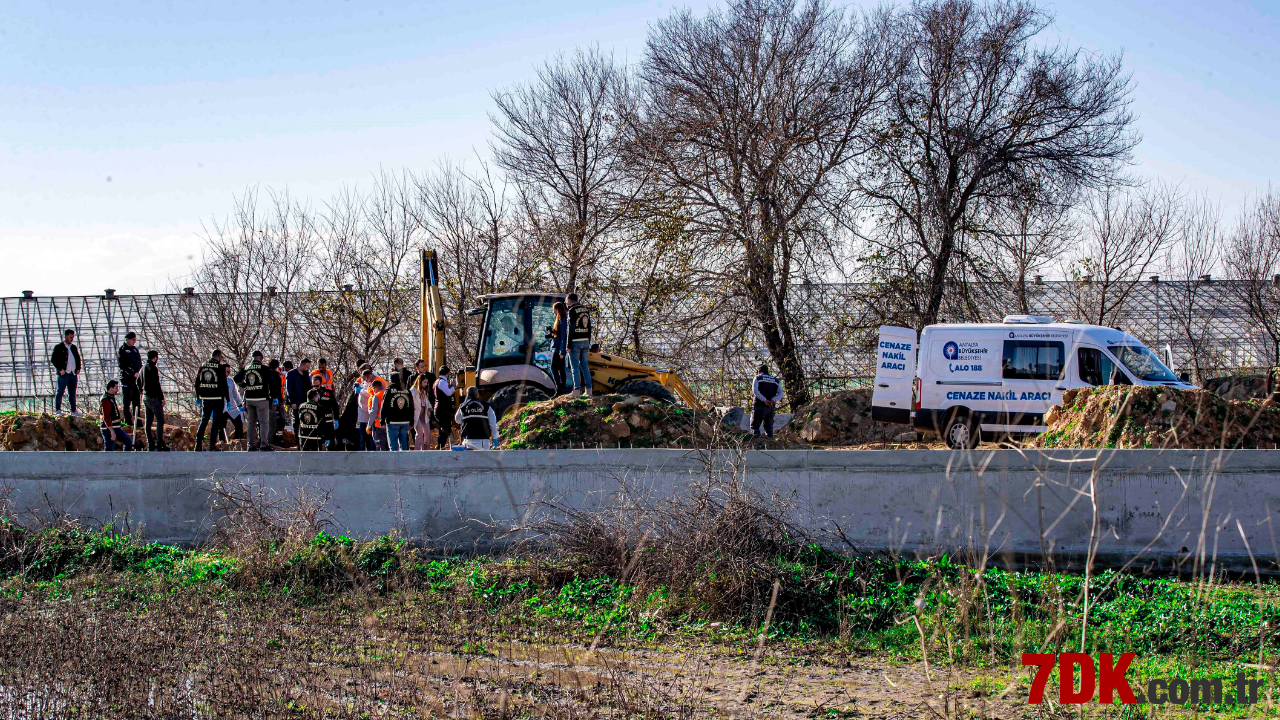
point(951, 351)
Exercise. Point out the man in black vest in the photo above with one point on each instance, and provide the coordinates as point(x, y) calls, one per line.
point(211, 391)
point(328, 408)
point(579, 346)
point(767, 391)
point(397, 413)
point(130, 362)
point(313, 423)
point(254, 378)
point(479, 426)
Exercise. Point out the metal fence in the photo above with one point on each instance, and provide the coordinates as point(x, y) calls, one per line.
point(834, 324)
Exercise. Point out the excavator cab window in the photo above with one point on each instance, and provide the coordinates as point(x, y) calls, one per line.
point(505, 340)
point(542, 320)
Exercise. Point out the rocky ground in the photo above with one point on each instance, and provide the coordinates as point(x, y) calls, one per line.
point(1156, 417)
point(615, 421)
point(43, 432)
point(843, 419)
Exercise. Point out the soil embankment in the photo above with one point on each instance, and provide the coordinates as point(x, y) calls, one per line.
point(1158, 417)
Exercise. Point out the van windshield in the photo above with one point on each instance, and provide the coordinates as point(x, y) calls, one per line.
point(1143, 363)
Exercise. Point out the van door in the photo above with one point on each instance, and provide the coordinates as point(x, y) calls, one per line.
point(895, 375)
point(1033, 370)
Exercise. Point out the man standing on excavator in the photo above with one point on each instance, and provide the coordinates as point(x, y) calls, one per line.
point(579, 346)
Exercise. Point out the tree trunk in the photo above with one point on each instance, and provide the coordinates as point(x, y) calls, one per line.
point(938, 279)
point(781, 344)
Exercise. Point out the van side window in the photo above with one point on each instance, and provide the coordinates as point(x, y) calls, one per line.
point(1033, 360)
point(1095, 367)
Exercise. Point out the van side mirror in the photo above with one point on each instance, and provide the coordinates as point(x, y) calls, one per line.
point(1184, 377)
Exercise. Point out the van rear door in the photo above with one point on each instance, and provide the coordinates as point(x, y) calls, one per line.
point(895, 375)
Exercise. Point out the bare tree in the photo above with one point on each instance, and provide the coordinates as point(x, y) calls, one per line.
point(252, 262)
point(1125, 234)
point(368, 261)
point(1252, 260)
point(750, 120)
point(1193, 258)
point(471, 223)
point(653, 269)
point(558, 139)
point(1020, 237)
point(981, 113)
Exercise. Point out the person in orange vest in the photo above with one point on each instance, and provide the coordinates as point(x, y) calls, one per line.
point(376, 427)
point(325, 374)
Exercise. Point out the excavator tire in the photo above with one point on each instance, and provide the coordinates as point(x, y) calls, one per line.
point(648, 388)
point(518, 394)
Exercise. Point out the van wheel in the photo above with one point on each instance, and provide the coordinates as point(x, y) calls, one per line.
point(961, 432)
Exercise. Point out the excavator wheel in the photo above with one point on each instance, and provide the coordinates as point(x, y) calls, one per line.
point(648, 388)
point(518, 394)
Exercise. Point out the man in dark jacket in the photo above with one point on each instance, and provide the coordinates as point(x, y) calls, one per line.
point(397, 413)
point(579, 345)
point(328, 408)
point(130, 362)
point(256, 380)
point(766, 391)
point(211, 391)
point(278, 401)
point(315, 423)
point(66, 360)
point(479, 426)
point(153, 397)
point(110, 420)
point(297, 383)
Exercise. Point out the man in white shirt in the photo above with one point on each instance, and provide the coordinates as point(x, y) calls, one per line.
point(444, 408)
point(66, 360)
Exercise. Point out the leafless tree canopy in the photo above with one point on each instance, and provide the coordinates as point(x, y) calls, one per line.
point(558, 139)
point(1194, 257)
point(939, 154)
point(1125, 233)
point(979, 116)
point(749, 123)
point(1253, 257)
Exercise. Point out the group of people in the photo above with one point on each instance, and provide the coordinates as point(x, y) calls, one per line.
point(416, 408)
point(570, 336)
point(264, 398)
point(396, 414)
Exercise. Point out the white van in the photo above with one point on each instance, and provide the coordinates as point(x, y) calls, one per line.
point(970, 382)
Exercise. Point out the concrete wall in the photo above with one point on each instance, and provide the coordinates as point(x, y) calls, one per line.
point(1009, 504)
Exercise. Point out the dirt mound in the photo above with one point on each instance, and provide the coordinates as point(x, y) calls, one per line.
point(1157, 417)
point(1238, 387)
point(841, 419)
point(43, 432)
point(614, 421)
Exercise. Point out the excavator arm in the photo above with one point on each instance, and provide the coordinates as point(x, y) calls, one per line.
point(673, 381)
point(432, 315)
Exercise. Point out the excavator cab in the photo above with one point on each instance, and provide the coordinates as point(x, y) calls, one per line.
point(511, 363)
point(512, 360)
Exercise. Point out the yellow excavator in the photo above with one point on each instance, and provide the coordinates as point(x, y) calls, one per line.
point(511, 363)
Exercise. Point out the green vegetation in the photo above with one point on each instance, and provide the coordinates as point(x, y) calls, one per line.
point(864, 605)
point(277, 600)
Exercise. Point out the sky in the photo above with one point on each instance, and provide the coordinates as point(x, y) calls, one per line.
point(125, 126)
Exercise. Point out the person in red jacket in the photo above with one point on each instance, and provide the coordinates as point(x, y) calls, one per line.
point(110, 422)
